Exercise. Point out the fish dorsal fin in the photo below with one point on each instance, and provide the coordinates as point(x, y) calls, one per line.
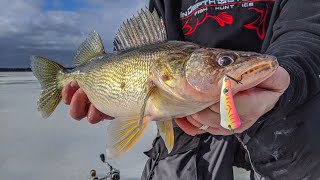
point(89, 49)
point(143, 29)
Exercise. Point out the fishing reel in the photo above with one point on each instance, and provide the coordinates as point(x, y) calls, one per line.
point(113, 174)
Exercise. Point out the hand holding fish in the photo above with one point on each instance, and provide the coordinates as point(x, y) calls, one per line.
point(80, 106)
point(251, 104)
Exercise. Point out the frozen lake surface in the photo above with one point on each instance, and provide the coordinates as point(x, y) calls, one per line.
point(57, 147)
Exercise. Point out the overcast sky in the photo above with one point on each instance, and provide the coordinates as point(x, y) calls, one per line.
point(55, 28)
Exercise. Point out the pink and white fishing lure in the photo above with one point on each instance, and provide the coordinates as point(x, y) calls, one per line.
point(228, 112)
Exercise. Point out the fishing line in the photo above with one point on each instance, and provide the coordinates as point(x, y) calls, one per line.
point(230, 116)
point(234, 79)
point(256, 174)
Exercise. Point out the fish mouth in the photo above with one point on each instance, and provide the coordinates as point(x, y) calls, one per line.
point(262, 69)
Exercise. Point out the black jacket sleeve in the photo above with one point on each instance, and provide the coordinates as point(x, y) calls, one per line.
point(295, 41)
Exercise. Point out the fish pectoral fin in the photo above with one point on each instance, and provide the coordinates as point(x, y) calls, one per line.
point(143, 108)
point(123, 135)
point(90, 48)
point(166, 132)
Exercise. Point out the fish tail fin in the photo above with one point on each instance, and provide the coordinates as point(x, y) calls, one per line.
point(49, 75)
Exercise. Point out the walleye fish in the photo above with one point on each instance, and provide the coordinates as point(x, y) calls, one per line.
point(148, 78)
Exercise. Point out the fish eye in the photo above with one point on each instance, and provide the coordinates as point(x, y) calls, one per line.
point(225, 60)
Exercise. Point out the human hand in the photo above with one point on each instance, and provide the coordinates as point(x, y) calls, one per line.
point(251, 104)
point(80, 105)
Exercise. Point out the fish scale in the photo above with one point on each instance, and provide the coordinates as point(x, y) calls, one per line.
point(105, 82)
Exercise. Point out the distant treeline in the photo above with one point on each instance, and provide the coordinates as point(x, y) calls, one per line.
point(15, 69)
point(18, 69)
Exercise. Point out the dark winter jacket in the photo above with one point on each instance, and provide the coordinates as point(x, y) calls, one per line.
point(284, 143)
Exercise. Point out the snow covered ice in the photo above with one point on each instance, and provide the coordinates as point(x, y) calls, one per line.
point(57, 147)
